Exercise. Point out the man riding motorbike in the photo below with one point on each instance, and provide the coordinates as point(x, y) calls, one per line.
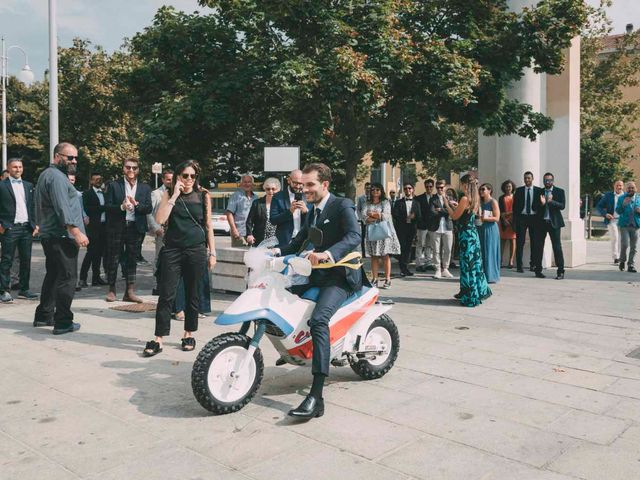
point(336, 218)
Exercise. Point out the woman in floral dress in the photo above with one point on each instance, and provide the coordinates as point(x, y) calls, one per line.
point(473, 283)
point(378, 209)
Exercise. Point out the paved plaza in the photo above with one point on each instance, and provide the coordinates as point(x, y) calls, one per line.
point(533, 385)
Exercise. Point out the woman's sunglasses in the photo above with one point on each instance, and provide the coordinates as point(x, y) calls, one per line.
point(186, 176)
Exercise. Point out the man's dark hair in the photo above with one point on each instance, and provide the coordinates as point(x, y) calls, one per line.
point(11, 160)
point(441, 182)
point(407, 183)
point(324, 172)
point(367, 184)
point(132, 160)
point(528, 173)
point(167, 171)
point(96, 174)
point(548, 174)
point(429, 180)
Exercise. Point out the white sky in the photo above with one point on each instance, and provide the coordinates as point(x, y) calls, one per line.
point(108, 22)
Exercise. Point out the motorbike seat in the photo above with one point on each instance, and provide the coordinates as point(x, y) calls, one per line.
point(313, 293)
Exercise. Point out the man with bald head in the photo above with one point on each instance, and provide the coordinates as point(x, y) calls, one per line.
point(289, 209)
point(238, 210)
point(59, 216)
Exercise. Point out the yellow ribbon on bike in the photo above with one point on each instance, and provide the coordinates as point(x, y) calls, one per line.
point(344, 262)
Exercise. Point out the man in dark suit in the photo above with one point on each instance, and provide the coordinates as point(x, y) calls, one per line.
point(525, 216)
point(93, 203)
point(551, 203)
point(287, 213)
point(406, 214)
point(127, 203)
point(17, 227)
point(336, 218)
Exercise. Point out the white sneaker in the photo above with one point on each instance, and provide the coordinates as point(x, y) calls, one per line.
point(438, 274)
point(446, 273)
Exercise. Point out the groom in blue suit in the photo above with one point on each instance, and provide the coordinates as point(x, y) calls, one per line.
point(336, 218)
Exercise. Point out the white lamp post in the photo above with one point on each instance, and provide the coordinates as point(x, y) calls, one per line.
point(25, 76)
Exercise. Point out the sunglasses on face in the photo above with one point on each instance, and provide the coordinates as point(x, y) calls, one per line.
point(131, 167)
point(408, 188)
point(376, 190)
point(186, 176)
point(441, 187)
point(70, 158)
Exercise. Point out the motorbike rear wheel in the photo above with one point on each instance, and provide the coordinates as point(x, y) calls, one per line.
point(382, 332)
point(223, 379)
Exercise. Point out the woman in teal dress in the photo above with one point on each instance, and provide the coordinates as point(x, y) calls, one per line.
point(473, 283)
point(490, 234)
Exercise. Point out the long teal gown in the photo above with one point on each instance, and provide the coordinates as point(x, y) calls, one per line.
point(490, 246)
point(473, 283)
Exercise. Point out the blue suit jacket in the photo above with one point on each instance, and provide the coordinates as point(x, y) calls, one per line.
point(282, 217)
point(341, 236)
point(607, 205)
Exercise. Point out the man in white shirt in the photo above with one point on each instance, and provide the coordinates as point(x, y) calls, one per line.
point(526, 218)
point(155, 228)
point(17, 228)
point(441, 230)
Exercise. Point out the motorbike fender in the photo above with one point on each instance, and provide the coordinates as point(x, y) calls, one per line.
point(361, 327)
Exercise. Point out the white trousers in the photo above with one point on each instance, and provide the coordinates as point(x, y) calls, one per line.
point(442, 245)
point(424, 248)
point(614, 234)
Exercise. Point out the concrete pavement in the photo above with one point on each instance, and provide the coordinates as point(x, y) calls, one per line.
point(534, 384)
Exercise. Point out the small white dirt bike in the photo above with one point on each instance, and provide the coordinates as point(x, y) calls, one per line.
point(228, 370)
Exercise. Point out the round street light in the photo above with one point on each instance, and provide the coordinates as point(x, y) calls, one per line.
point(25, 76)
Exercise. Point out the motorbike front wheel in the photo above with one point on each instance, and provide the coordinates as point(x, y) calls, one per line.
point(382, 336)
point(224, 377)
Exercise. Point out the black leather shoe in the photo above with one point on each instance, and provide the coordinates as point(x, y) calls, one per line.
point(72, 328)
point(520, 270)
point(281, 361)
point(83, 284)
point(621, 266)
point(43, 323)
point(631, 270)
point(540, 275)
point(98, 281)
point(408, 273)
point(560, 276)
point(310, 408)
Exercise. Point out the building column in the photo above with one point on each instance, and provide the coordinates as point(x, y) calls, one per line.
point(562, 151)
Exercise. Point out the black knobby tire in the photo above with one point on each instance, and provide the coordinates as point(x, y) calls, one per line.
point(200, 371)
point(370, 372)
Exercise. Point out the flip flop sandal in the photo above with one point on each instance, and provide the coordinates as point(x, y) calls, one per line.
point(188, 344)
point(151, 348)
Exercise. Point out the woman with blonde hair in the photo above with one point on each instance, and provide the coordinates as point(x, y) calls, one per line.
point(259, 226)
point(473, 283)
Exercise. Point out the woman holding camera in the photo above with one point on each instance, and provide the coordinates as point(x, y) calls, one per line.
point(188, 249)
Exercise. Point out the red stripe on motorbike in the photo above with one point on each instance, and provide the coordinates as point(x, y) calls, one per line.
point(336, 331)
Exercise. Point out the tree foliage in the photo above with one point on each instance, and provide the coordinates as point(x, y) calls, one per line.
point(608, 119)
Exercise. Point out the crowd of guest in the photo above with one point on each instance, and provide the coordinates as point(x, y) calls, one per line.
point(112, 218)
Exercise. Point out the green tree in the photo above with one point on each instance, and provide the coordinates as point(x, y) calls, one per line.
point(93, 107)
point(608, 120)
point(396, 77)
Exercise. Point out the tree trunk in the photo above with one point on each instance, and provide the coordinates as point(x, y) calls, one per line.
point(352, 161)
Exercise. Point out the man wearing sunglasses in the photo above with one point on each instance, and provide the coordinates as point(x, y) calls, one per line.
point(127, 203)
point(59, 217)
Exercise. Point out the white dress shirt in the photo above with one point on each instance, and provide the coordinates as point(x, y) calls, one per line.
point(130, 191)
point(408, 203)
point(617, 195)
point(22, 215)
point(297, 215)
point(524, 210)
point(443, 221)
point(100, 195)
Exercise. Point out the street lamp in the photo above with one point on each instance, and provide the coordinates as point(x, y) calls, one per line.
point(25, 76)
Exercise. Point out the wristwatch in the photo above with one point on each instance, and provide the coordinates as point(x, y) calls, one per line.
point(212, 254)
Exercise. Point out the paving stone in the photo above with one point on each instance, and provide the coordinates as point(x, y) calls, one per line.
point(597, 462)
point(588, 426)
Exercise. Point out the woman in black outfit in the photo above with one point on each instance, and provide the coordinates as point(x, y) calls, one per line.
point(188, 249)
point(259, 228)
